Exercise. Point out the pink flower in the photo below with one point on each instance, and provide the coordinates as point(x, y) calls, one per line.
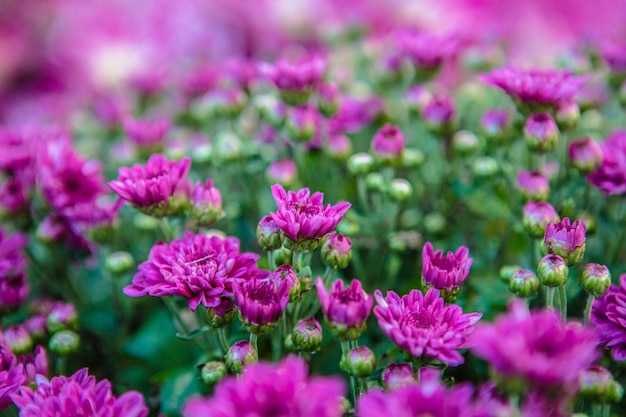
point(197, 267)
point(566, 240)
point(533, 185)
point(146, 133)
point(388, 143)
point(151, 188)
point(78, 394)
point(611, 176)
point(11, 374)
point(536, 348)
point(303, 218)
point(426, 50)
point(206, 204)
point(536, 88)
point(585, 154)
point(272, 390)
point(283, 171)
point(346, 309)
point(298, 75)
point(445, 273)
point(609, 318)
point(13, 286)
point(424, 325)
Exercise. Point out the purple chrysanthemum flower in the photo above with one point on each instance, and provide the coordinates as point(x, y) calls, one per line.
point(11, 374)
point(303, 218)
point(295, 75)
point(585, 154)
point(566, 240)
point(197, 267)
point(430, 398)
point(424, 325)
point(272, 390)
point(78, 394)
point(439, 112)
point(152, 187)
point(146, 133)
point(13, 286)
point(533, 185)
point(262, 301)
point(388, 143)
point(425, 50)
point(446, 273)
point(536, 348)
point(494, 122)
point(614, 55)
point(611, 176)
point(609, 318)
point(535, 88)
point(283, 171)
point(346, 309)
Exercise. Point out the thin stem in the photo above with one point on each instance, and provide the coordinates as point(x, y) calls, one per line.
point(171, 306)
point(253, 341)
point(60, 365)
point(223, 339)
point(328, 274)
point(271, 260)
point(361, 189)
point(563, 300)
point(588, 308)
point(550, 297)
point(345, 349)
point(606, 410)
point(166, 229)
point(596, 410)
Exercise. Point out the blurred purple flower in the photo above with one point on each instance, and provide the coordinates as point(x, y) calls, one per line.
point(611, 176)
point(34, 365)
point(78, 394)
point(11, 374)
point(609, 318)
point(537, 216)
point(446, 273)
point(150, 187)
point(346, 309)
point(388, 143)
point(541, 132)
point(146, 133)
point(13, 286)
point(533, 185)
point(536, 348)
point(536, 88)
point(283, 171)
point(197, 267)
point(295, 75)
point(426, 50)
point(438, 112)
point(303, 218)
point(272, 390)
point(585, 154)
point(424, 325)
point(614, 54)
point(494, 122)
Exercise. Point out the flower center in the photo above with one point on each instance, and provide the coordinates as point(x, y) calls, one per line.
point(307, 209)
point(263, 293)
point(347, 296)
point(421, 319)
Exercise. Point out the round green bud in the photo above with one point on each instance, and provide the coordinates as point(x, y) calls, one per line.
point(412, 158)
point(485, 166)
point(552, 271)
point(465, 142)
point(144, 222)
point(359, 362)
point(598, 386)
point(64, 342)
point(506, 272)
point(434, 223)
point(283, 256)
point(375, 181)
point(307, 335)
point(524, 283)
point(596, 279)
point(400, 190)
point(213, 372)
point(360, 163)
point(241, 353)
point(119, 262)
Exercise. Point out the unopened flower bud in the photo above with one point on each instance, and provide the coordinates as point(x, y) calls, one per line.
point(552, 271)
point(328, 99)
point(36, 327)
point(400, 190)
point(206, 204)
point(388, 144)
point(62, 316)
point(416, 98)
point(241, 353)
point(585, 155)
point(119, 262)
point(268, 234)
point(596, 279)
point(359, 362)
point(412, 158)
point(434, 222)
point(64, 342)
point(465, 142)
point(301, 123)
point(283, 256)
point(485, 166)
point(398, 375)
point(338, 147)
point(271, 109)
point(541, 132)
point(537, 216)
point(438, 114)
point(566, 240)
point(533, 185)
point(523, 283)
point(228, 146)
point(360, 163)
point(337, 251)
point(213, 372)
point(375, 181)
point(598, 386)
point(307, 335)
point(495, 124)
point(18, 339)
point(283, 171)
point(222, 315)
point(568, 115)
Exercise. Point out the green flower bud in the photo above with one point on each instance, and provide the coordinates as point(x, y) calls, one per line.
point(412, 158)
point(360, 163)
point(213, 372)
point(337, 251)
point(359, 362)
point(228, 146)
point(485, 166)
point(307, 335)
point(144, 222)
point(552, 271)
point(465, 142)
point(596, 279)
point(283, 256)
point(375, 181)
point(434, 223)
point(119, 262)
point(598, 386)
point(524, 283)
point(222, 315)
point(241, 353)
point(64, 342)
point(506, 272)
point(400, 190)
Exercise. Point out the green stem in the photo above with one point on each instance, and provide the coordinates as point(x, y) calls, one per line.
point(563, 301)
point(361, 189)
point(606, 410)
point(296, 261)
point(271, 260)
point(166, 229)
point(171, 306)
point(223, 339)
point(254, 342)
point(596, 410)
point(550, 297)
point(61, 364)
point(328, 274)
point(345, 349)
point(588, 307)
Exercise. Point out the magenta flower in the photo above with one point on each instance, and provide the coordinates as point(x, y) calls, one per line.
point(337, 250)
point(430, 398)
point(197, 267)
point(609, 318)
point(585, 154)
point(541, 132)
point(537, 216)
point(283, 171)
point(536, 348)
point(153, 188)
point(13, 286)
point(295, 78)
point(272, 390)
point(425, 50)
point(346, 309)
point(438, 112)
point(206, 204)
point(495, 122)
point(614, 55)
point(611, 176)
point(566, 240)
point(446, 273)
point(533, 185)
point(537, 89)
point(303, 218)
point(11, 374)
point(262, 301)
point(424, 325)
point(78, 394)
point(146, 133)
point(388, 143)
